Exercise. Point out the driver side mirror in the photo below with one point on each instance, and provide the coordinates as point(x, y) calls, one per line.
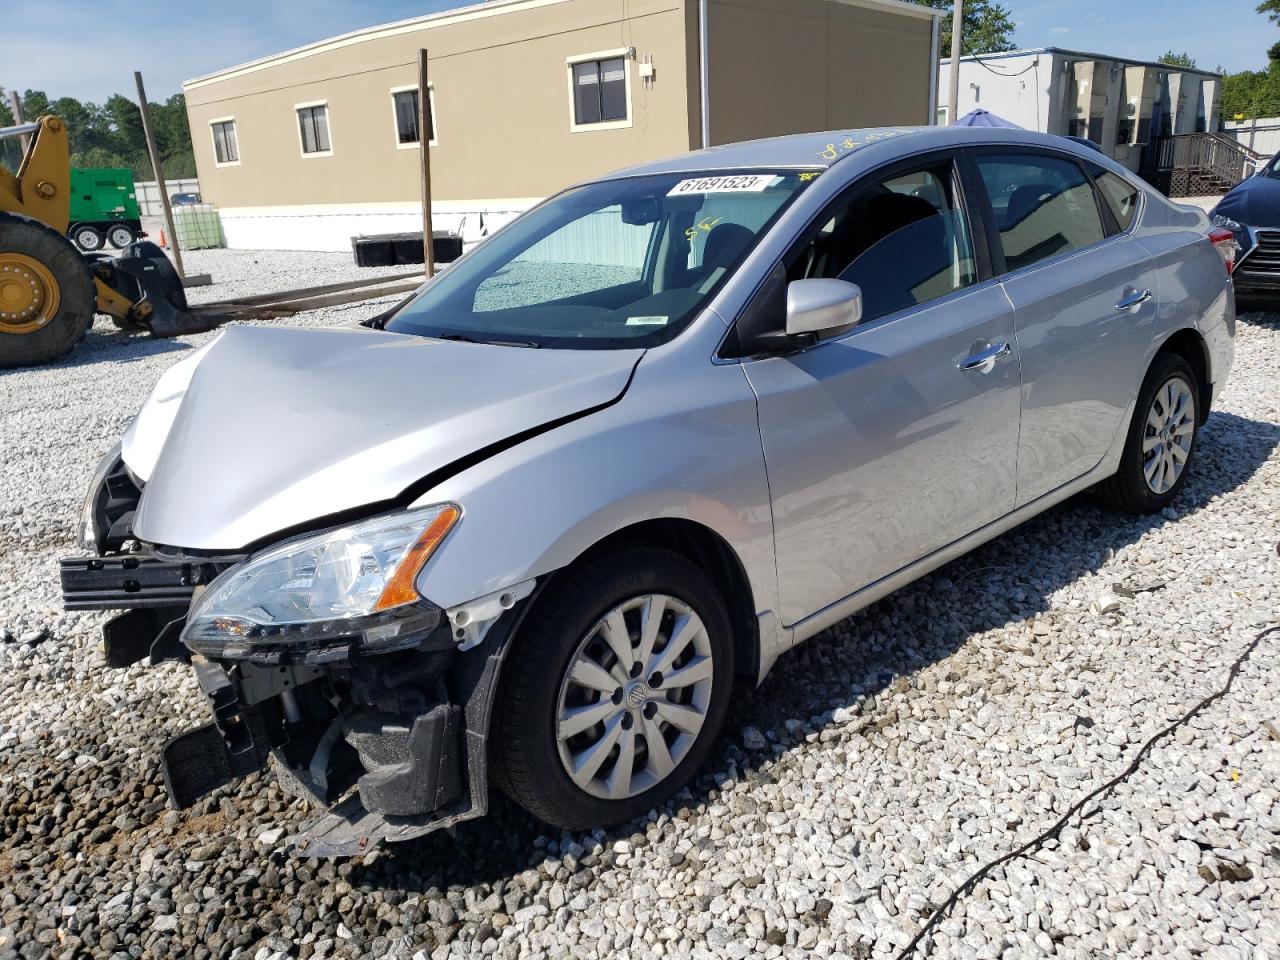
point(818, 306)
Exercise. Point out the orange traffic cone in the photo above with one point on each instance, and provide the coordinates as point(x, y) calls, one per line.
point(164, 243)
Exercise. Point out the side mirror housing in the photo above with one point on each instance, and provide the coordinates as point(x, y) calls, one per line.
point(820, 306)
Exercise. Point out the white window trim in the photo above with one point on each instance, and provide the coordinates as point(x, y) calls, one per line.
point(297, 127)
point(214, 140)
point(395, 123)
point(625, 54)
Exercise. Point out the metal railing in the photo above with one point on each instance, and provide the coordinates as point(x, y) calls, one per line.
point(1213, 155)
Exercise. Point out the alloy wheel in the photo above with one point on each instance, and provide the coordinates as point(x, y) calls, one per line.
point(29, 294)
point(634, 697)
point(1168, 434)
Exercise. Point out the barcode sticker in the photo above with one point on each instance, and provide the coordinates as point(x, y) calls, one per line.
point(738, 183)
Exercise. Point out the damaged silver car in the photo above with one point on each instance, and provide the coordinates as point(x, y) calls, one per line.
point(527, 527)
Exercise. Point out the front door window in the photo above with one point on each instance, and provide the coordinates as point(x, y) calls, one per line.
point(903, 240)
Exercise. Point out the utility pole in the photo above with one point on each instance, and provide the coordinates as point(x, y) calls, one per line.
point(16, 101)
point(957, 21)
point(159, 173)
point(424, 149)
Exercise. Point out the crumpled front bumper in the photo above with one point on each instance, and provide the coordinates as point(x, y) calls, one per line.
point(391, 746)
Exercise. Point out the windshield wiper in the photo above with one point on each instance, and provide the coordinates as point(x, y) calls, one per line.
point(491, 341)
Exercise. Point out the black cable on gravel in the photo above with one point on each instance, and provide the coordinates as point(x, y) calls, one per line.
point(1041, 839)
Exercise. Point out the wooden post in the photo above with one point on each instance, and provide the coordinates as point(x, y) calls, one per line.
point(16, 101)
point(424, 149)
point(159, 173)
point(957, 25)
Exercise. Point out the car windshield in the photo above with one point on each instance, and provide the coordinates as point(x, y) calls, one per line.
point(619, 263)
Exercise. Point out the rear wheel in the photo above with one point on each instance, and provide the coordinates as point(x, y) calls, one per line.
point(615, 689)
point(86, 237)
point(120, 235)
point(46, 293)
point(1161, 439)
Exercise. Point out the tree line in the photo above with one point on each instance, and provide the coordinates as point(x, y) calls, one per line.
point(110, 134)
point(1255, 93)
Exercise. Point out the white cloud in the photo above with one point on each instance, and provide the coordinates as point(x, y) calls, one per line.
point(1059, 29)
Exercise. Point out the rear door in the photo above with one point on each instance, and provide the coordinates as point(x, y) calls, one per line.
point(1084, 296)
point(879, 447)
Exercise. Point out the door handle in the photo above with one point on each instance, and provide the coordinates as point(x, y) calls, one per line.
point(1131, 300)
point(985, 361)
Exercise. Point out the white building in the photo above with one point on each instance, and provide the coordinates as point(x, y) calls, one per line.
point(1118, 103)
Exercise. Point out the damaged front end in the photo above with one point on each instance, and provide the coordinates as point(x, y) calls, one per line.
point(317, 655)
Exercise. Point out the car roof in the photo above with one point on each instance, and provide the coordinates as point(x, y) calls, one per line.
point(828, 148)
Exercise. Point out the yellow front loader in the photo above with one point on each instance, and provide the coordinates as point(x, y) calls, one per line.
point(49, 291)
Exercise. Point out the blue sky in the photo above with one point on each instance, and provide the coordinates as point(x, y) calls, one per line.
point(1227, 33)
point(90, 49)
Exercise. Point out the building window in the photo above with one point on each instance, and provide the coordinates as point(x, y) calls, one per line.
point(226, 151)
point(404, 105)
point(313, 129)
point(600, 98)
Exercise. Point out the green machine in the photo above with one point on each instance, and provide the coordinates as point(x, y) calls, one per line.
point(104, 208)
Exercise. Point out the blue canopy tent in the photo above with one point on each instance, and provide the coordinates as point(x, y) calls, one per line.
point(984, 118)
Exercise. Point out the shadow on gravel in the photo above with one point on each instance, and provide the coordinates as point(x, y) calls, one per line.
point(1258, 313)
point(105, 343)
point(1004, 582)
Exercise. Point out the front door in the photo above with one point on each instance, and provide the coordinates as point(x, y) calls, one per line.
point(897, 437)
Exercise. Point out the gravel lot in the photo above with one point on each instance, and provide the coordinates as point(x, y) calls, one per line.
point(872, 773)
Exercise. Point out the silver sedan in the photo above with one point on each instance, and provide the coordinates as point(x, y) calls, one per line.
point(530, 524)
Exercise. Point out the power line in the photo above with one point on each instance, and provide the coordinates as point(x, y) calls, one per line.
point(986, 66)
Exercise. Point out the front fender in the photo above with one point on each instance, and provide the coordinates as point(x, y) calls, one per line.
point(679, 444)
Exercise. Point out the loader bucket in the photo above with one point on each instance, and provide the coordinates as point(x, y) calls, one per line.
point(143, 275)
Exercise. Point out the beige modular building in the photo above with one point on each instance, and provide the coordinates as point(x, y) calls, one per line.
point(308, 148)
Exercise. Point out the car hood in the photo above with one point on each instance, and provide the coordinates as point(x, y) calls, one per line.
point(1254, 202)
point(269, 428)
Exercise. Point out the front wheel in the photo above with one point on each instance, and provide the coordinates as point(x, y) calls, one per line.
point(1161, 440)
point(615, 689)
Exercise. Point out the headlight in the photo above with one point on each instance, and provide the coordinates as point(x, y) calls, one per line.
point(350, 585)
point(1219, 220)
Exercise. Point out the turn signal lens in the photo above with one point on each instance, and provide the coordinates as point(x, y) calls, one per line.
point(399, 588)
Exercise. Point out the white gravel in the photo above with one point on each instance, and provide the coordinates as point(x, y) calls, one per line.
point(874, 771)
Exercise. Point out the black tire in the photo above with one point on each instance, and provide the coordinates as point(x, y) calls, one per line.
point(87, 237)
point(33, 239)
point(120, 235)
point(526, 758)
point(1128, 490)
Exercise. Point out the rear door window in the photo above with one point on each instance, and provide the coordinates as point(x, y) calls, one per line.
point(1043, 206)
